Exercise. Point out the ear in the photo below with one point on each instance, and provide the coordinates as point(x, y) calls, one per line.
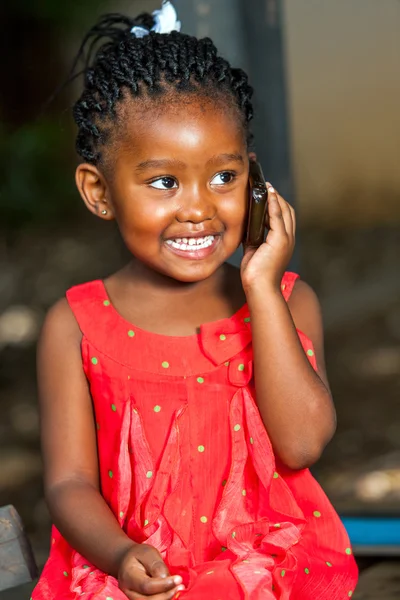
point(94, 191)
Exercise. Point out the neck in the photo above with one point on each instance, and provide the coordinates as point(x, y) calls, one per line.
point(148, 282)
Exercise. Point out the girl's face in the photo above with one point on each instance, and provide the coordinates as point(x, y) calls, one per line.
point(178, 188)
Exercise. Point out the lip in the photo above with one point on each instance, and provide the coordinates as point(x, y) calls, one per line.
point(200, 254)
point(193, 234)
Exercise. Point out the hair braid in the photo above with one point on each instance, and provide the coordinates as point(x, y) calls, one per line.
point(153, 64)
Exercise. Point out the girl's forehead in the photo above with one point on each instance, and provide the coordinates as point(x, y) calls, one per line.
point(189, 125)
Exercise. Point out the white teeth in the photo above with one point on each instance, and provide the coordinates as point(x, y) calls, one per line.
point(191, 244)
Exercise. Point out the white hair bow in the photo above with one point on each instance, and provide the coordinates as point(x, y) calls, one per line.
point(165, 21)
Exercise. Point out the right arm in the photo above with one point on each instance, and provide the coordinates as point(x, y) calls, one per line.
point(71, 473)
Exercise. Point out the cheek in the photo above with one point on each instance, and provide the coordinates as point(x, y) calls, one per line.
point(233, 210)
point(143, 217)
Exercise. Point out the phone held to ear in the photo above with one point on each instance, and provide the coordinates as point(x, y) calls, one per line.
point(258, 196)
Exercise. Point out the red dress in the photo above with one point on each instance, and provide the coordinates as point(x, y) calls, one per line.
point(187, 466)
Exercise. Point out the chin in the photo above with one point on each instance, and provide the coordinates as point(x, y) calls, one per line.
point(192, 273)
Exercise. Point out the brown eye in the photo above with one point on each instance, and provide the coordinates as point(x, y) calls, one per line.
point(164, 183)
point(223, 178)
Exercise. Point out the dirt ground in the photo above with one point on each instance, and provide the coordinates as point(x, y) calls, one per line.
point(357, 279)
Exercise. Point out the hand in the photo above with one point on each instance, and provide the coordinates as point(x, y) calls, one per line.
point(143, 573)
point(266, 265)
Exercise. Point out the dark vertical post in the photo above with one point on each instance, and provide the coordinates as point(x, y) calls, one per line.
point(264, 42)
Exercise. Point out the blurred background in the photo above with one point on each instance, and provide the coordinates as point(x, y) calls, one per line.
point(334, 135)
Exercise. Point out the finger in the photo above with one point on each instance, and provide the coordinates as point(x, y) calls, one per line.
point(152, 560)
point(172, 594)
point(138, 581)
point(293, 213)
point(276, 221)
point(287, 215)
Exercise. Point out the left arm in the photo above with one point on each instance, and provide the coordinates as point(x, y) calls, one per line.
point(294, 401)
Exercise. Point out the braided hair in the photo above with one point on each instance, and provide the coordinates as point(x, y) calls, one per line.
point(147, 67)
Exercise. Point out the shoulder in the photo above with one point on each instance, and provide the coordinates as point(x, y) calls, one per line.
point(60, 325)
point(305, 309)
point(303, 296)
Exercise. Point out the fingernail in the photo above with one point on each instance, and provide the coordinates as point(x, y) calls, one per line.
point(180, 588)
point(177, 579)
point(271, 189)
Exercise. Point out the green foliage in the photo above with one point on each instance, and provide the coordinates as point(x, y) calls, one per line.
point(36, 174)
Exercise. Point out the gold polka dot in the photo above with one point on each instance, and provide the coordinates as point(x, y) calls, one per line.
point(131, 333)
point(241, 367)
point(121, 514)
point(145, 522)
point(149, 474)
point(224, 548)
point(224, 483)
point(307, 571)
point(350, 594)
point(227, 364)
point(283, 287)
point(245, 561)
point(244, 492)
point(257, 572)
point(222, 337)
point(275, 475)
point(251, 441)
point(106, 303)
point(85, 566)
point(328, 564)
point(209, 572)
point(203, 519)
point(247, 320)
point(234, 534)
point(348, 551)
point(283, 573)
point(94, 360)
point(237, 427)
point(310, 353)
point(157, 408)
point(277, 525)
point(200, 380)
point(110, 474)
point(165, 364)
point(113, 407)
point(200, 448)
point(65, 574)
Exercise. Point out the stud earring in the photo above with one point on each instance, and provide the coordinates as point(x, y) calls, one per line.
point(103, 212)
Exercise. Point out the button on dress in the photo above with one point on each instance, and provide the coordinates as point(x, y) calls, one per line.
point(187, 466)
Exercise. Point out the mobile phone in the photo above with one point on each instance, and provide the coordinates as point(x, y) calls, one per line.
point(257, 210)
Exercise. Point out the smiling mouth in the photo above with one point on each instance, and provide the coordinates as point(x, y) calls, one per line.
point(192, 244)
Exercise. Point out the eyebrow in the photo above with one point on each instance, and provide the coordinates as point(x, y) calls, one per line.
point(171, 163)
point(159, 164)
point(223, 158)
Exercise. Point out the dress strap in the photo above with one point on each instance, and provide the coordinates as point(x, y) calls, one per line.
point(287, 284)
point(85, 300)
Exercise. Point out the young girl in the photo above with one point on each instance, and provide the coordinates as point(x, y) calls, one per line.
point(182, 399)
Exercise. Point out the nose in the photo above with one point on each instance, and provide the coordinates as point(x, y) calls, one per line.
point(196, 206)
